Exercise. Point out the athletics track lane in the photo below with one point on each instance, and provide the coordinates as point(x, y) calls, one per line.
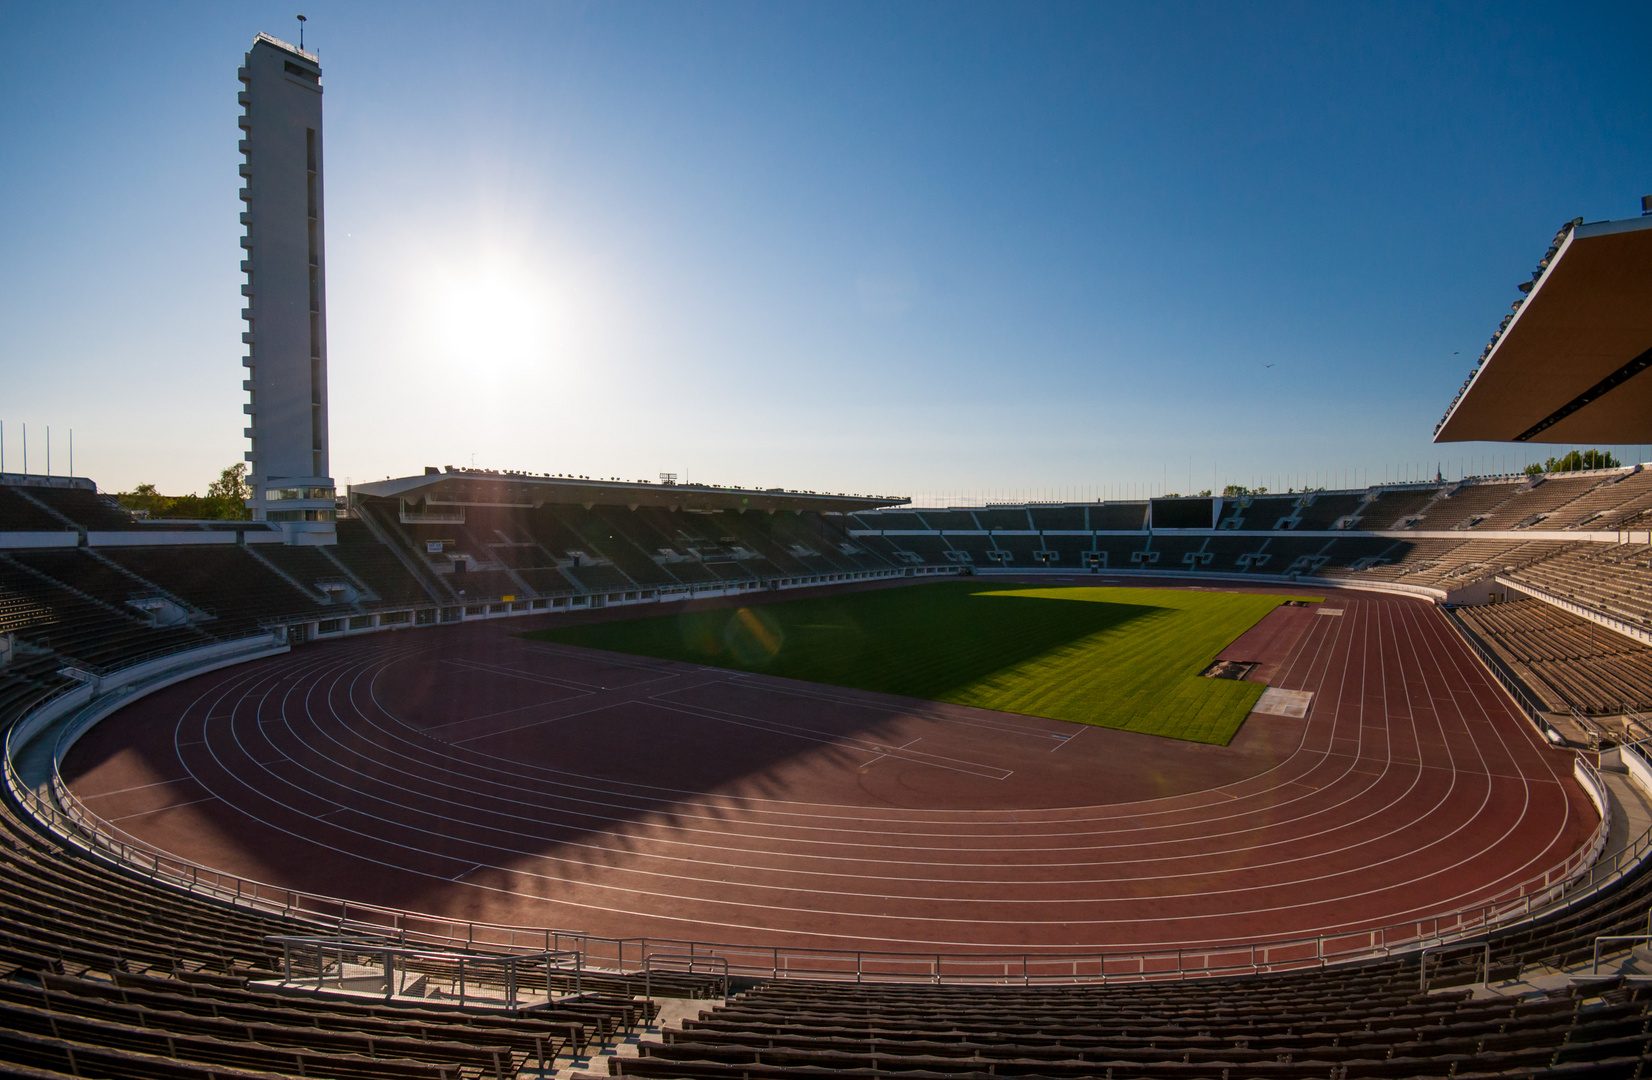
point(625, 796)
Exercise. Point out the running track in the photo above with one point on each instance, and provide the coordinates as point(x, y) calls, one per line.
point(468, 773)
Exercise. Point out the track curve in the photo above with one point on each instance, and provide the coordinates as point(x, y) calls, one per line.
point(469, 773)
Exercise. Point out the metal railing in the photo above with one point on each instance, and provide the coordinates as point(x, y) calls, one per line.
point(681, 963)
point(1579, 876)
point(509, 974)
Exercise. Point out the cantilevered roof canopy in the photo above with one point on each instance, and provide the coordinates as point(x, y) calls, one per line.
point(481, 487)
point(1569, 366)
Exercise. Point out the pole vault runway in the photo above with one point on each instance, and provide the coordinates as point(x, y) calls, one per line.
point(465, 772)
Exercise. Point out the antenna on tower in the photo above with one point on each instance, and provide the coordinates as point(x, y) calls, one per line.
point(301, 21)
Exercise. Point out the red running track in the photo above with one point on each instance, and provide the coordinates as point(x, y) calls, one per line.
point(468, 773)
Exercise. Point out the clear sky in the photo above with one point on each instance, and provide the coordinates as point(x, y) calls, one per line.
point(937, 249)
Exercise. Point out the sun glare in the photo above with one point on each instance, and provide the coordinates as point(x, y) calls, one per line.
point(494, 318)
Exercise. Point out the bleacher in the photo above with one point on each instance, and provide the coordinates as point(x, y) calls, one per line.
point(106, 974)
point(224, 581)
point(1394, 506)
point(1329, 507)
point(1464, 505)
point(1568, 662)
point(86, 508)
point(1368, 1021)
point(376, 566)
point(1613, 579)
point(20, 513)
point(1531, 504)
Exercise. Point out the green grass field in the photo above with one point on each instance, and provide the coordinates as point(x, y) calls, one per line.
point(1119, 658)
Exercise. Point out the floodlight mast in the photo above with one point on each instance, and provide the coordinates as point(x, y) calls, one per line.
point(301, 21)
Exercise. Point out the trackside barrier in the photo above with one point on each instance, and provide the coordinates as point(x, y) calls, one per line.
point(1579, 876)
point(681, 962)
point(1437, 950)
point(346, 963)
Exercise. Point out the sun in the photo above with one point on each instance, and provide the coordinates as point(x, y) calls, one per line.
point(493, 316)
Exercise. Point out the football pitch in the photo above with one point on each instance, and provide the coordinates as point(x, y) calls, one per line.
point(1114, 657)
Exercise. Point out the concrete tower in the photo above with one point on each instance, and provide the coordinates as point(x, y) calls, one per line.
point(286, 312)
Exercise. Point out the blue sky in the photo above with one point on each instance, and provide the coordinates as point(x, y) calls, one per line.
point(938, 249)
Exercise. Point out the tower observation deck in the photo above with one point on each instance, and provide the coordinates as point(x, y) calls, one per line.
point(285, 290)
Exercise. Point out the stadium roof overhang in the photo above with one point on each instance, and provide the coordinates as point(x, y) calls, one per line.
point(1568, 368)
point(475, 487)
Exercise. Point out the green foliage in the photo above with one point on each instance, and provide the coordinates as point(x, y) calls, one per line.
point(1120, 658)
point(224, 501)
point(1240, 489)
point(1575, 461)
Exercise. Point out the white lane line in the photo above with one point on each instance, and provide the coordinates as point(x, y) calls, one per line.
point(158, 809)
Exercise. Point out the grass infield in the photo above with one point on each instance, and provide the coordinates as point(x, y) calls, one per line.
point(1118, 658)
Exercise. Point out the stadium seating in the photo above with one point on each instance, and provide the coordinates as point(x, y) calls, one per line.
point(1393, 507)
point(1326, 508)
point(104, 973)
point(19, 512)
point(1464, 505)
point(87, 509)
point(1570, 663)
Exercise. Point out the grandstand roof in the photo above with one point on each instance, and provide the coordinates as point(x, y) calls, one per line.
point(460, 487)
point(1564, 368)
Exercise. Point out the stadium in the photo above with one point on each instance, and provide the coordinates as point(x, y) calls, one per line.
point(486, 773)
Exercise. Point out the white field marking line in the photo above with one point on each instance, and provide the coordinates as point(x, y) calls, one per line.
point(158, 809)
point(727, 904)
point(560, 682)
point(597, 704)
point(398, 805)
point(472, 870)
point(135, 787)
point(444, 767)
point(880, 757)
point(920, 711)
point(1454, 650)
point(520, 772)
point(971, 768)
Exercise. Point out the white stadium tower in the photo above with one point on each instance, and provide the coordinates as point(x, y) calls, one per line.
point(286, 310)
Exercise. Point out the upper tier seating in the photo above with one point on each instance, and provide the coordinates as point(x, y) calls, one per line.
point(1013, 518)
point(20, 513)
point(87, 509)
point(1059, 517)
point(1466, 504)
point(1608, 505)
point(1328, 508)
point(952, 519)
point(1531, 504)
point(1393, 506)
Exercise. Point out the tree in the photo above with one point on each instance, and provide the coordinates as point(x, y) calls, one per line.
point(225, 500)
point(231, 484)
point(1239, 489)
point(1575, 461)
